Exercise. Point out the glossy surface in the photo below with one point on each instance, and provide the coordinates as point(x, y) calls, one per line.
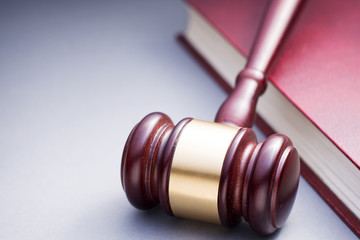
point(194, 164)
point(140, 176)
point(231, 200)
point(275, 157)
point(240, 107)
point(262, 199)
point(63, 125)
point(196, 169)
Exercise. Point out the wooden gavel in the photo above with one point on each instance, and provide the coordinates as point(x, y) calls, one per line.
point(217, 172)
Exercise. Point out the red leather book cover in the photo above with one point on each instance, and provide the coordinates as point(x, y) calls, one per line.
point(317, 67)
point(237, 21)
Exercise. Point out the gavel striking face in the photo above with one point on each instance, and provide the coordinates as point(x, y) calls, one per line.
point(217, 172)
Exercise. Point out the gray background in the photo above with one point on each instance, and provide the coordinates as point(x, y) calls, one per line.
point(75, 77)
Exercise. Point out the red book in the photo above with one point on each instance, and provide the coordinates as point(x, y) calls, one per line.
point(313, 95)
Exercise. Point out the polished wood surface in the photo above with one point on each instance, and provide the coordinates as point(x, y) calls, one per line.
point(258, 180)
point(240, 107)
point(146, 161)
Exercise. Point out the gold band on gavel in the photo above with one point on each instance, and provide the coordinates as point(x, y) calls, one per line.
point(196, 168)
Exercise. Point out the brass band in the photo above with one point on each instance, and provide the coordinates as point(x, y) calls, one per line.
point(196, 168)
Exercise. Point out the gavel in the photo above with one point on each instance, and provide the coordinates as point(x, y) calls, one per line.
point(216, 171)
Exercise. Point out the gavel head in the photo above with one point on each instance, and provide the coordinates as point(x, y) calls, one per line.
point(210, 171)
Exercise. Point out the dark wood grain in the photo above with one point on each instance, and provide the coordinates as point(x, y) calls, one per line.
point(232, 177)
point(258, 181)
point(272, 182)
point(166, 161)
point(239, 108)
point(140, 166)
point(146, 161)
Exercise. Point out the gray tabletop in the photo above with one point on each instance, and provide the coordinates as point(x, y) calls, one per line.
point(75, 77)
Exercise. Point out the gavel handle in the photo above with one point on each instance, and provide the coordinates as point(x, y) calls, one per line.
point(240, 107)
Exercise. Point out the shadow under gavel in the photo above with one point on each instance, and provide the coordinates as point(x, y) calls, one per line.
point(216, 171)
